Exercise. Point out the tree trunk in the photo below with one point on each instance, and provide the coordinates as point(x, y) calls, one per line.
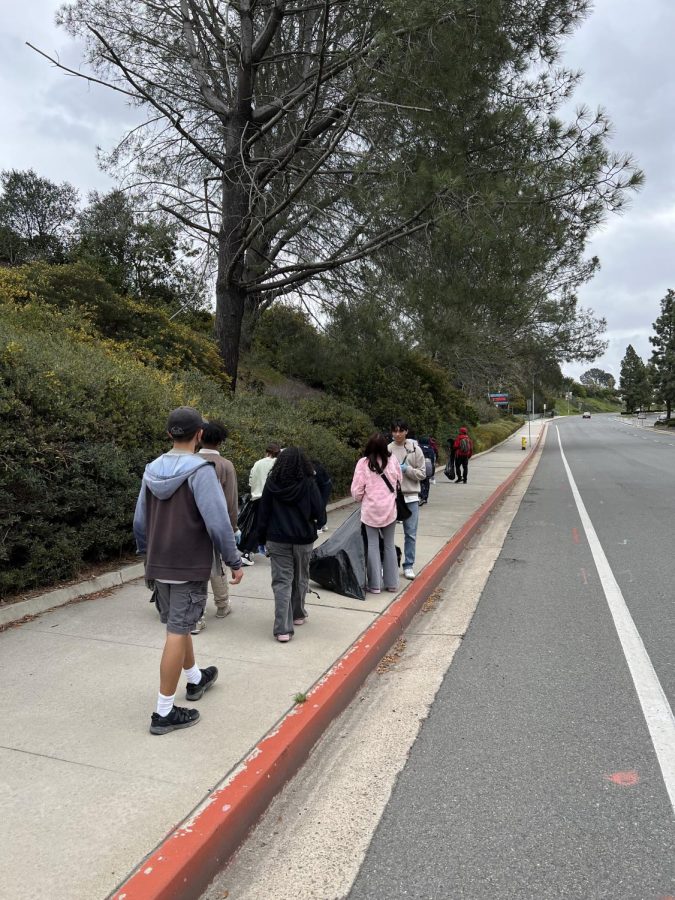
point(230, 302)
point(230, 296)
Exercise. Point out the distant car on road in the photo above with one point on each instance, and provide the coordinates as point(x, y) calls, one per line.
point(586, 415)
point(662, 419)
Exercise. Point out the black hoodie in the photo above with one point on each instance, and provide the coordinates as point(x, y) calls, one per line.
point(290, 514)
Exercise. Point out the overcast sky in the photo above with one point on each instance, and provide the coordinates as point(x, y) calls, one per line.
point(54, 124)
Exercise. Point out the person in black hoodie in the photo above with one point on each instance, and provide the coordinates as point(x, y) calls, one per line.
point(290, 512)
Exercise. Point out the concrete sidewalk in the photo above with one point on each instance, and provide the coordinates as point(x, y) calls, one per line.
point(87, 793)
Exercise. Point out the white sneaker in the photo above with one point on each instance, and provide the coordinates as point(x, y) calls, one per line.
point(247, 561)
point(408, 573)
point(200, 626)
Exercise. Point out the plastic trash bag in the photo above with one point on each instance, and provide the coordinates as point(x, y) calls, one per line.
point(247, 523)
point(339, 564)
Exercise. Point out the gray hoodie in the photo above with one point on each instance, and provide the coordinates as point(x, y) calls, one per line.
point(165, 475)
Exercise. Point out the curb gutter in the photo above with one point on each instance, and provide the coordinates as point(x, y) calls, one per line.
point(188, 859)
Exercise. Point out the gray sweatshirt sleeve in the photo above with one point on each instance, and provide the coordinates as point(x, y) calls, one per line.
point(139, 522)
point(211, 504)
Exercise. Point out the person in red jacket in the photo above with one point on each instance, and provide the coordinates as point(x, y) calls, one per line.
point(463, 453)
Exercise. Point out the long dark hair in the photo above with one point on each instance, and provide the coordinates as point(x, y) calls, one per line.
point(377, 453)
point(291, 465)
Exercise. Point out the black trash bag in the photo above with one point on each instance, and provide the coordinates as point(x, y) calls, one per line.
point(247, 523)
point(339, 564)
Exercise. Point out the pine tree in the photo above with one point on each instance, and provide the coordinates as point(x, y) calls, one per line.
point(634, 383)
point(663, 355)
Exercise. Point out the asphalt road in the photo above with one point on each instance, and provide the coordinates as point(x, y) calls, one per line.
point(535, 775)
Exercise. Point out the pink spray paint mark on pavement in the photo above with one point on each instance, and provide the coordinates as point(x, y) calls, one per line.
point(575, 536)
point(624, 779)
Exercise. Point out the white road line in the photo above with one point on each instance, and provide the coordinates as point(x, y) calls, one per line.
point(655, 706)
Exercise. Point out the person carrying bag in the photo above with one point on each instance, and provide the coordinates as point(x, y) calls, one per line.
point(376, 485)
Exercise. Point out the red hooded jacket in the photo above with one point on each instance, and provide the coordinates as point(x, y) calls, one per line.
point(463, 435)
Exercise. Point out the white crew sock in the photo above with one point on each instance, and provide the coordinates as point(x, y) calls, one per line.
point(194, 675)
point(164, 704)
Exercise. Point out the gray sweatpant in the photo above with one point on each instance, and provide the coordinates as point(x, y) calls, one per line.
point(375, 563)
point(290, 580)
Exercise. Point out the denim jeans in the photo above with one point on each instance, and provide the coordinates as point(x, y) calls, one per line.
point(410, 532)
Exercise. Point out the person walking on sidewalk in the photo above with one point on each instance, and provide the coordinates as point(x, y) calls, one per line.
point(430, 464)
point(450, 471)
point(213, 436)
point(376, 478)
point(463, 452)
point(250, 542)
point(289, 514)
point(180, 519)
point(411, 459)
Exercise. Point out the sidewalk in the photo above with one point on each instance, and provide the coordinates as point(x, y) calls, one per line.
point(87, 793)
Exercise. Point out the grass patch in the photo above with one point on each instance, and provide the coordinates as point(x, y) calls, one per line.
point(578, 404)
point(486, 436)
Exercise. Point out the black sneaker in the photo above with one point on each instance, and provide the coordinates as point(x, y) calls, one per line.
point(196, 691)
point(179, 717)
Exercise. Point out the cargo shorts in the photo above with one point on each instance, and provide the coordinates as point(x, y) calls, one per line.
point(180, 606)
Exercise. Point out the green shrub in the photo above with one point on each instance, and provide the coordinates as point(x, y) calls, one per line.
point(143, 329)
point(364, 364)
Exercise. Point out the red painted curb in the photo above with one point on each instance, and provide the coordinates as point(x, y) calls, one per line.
point(184, 864)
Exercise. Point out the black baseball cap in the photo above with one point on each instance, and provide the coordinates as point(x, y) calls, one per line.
point(184, 422)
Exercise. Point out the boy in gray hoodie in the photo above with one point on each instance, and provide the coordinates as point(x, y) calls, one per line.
point(181, 517)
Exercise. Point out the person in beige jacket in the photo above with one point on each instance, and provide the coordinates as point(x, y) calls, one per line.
point(411, 459)
point(213, 436)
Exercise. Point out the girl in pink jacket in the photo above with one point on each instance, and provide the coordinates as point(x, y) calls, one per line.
point(378, 509)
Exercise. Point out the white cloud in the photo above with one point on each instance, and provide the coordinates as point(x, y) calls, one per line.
point(52, 122)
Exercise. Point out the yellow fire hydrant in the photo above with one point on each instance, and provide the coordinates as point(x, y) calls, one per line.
point(523, 442)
